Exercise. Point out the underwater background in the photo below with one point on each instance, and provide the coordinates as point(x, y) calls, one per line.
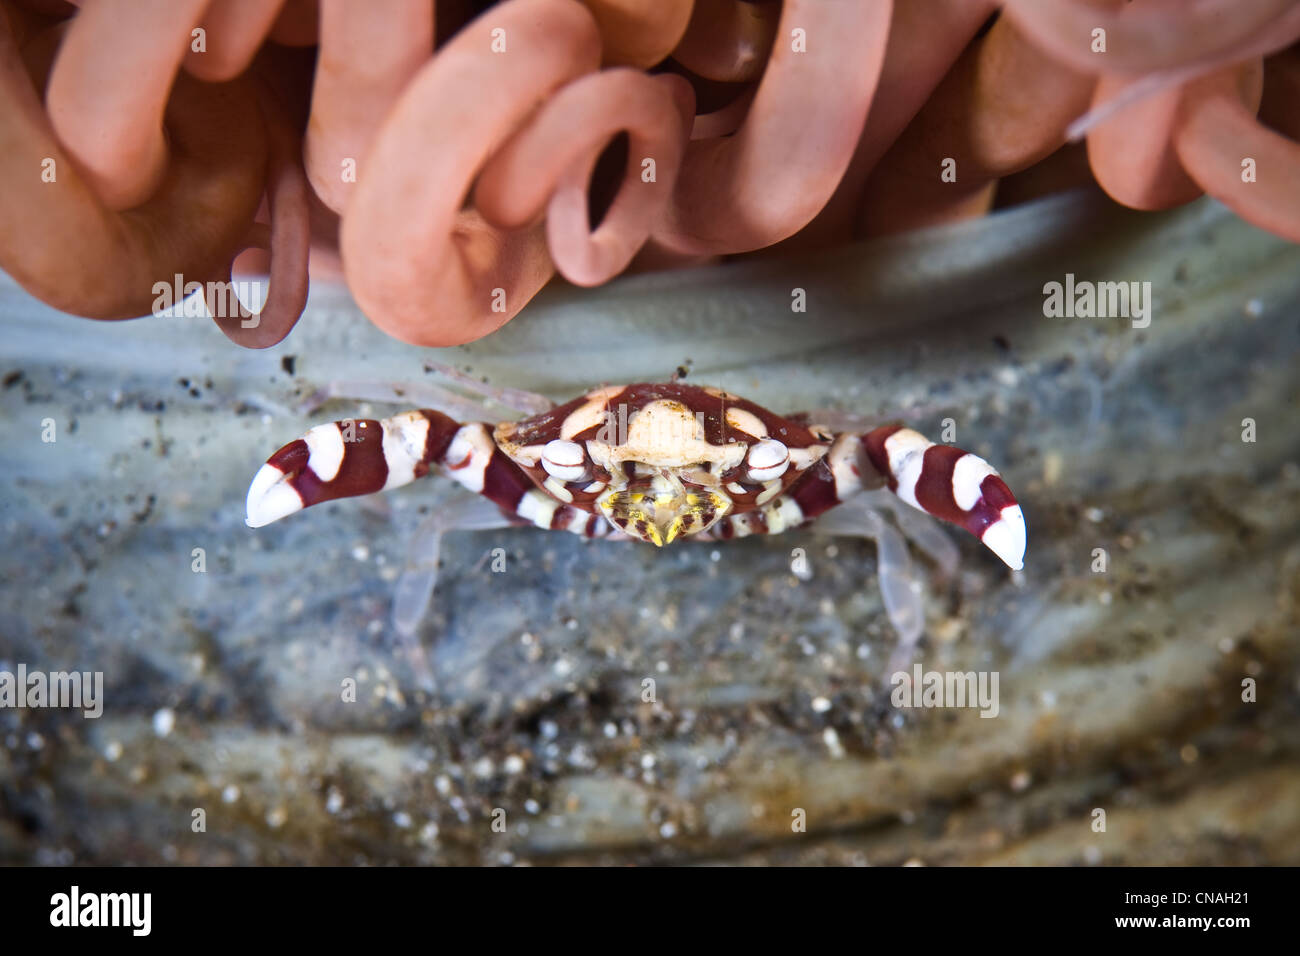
point(1120, 690)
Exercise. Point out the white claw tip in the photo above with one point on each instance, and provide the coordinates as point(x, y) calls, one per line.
point(1006, 537)
point(270, 498)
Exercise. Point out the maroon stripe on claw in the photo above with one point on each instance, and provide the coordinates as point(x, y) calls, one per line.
point(994, 496)
point(291, 459)
point(934, 485)
point(814, 492)
point(504, 482)
point(934, 492)
point(363, 470)
point(873, 443)
point(441, 431)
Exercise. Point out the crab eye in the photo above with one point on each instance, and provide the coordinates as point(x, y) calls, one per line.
point(564, 460)
point(767, 460)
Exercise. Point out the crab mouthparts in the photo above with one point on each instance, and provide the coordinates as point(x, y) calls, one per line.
point(660, 509)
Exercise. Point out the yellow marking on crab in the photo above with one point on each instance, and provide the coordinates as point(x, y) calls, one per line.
point(627, 511)
point(697, 506)
point(664, 515)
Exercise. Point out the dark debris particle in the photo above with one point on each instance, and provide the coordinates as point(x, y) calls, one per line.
point(1001, 342)
point(287, 362)
point(140, 517)
point(12, 378)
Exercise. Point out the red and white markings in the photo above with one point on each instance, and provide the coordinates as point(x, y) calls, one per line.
point(469, 455)
point(953, 485)
point(719, 467)
point(654, 463)
point(345, 459)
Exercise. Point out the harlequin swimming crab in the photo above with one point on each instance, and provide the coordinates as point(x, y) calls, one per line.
point(655, 463)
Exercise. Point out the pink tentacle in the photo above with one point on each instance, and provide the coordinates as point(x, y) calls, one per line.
point(106, 263)
point(639, 33)
point(289, 239)
point(1138, 37)
point(354, 89)
point(1133, 154)
point(769, 179)
point(234, 31)
point(1132, 90)
point(916, 60)
point(553, 157)
point(110, 119)
point(1218, 134)
point(1003, 107)
point(421, 268)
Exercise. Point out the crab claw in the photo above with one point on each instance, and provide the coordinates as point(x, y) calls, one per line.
point(1005, 537)
point(953, 485)
point(345, 459)
point(271, 496)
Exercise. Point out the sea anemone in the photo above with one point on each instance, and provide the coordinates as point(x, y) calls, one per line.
point(448, 161)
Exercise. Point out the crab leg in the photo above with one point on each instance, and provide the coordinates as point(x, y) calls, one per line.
point(425, 394)
point(360, 457)
point(901, 599)
point(951, 484)
point(525, 403)
point(415, 586)
point(348, 458)
point(941, 480)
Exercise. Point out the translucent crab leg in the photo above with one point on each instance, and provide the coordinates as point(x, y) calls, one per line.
point(424, 394)
point(415, 586)
point(920, 529)
point(526, 403)
point(899, 587)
